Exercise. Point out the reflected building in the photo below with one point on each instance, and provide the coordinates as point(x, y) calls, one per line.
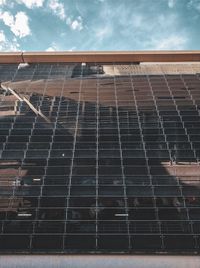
point(115, 169)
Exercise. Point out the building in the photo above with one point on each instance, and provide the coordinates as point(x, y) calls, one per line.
point(100, 152)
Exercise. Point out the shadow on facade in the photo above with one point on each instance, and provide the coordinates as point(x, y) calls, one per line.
point(104, 176)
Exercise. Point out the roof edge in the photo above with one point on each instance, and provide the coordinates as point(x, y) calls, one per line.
point(100, 56)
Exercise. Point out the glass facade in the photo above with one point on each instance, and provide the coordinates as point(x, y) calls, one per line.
point(116, 168)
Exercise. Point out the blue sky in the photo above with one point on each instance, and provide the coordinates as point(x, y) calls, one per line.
point(38, 25)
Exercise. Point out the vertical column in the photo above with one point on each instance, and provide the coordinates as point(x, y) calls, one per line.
point(42, 184)
point(97, 157)
point(121, 160)
point(161, 124)
point(73, 151)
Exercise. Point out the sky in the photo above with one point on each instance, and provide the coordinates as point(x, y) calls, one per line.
point(78, 25)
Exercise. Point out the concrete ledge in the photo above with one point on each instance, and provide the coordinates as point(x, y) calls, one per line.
point(100, 56)
point(95, 261)
point(11, 57)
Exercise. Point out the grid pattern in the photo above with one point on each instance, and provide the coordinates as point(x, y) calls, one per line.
point(115, 170)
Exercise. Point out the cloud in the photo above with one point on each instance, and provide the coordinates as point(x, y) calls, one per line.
point(103, 32)
point(51, 49)
point(7, 3)
point(8, 45)
point(2, 37)
point(171, 3)
point(57, 8)
point(18, 24)
point(72, 49)
point(173, 42)
point(7, 18)
point(194, 4)
point(76, 24)
point(30, 3)
point(3, 2)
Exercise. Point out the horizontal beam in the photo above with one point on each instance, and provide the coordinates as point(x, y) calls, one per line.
point(100, 56)
point(91, 261)
point(10, 57)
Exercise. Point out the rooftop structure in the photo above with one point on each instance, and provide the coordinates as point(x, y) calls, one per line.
point(100, 152)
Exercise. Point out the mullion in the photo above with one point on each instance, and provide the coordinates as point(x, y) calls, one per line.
point(62, 92)
point(27, 143)
point(194, 103)
point(97, 161)
point(141, 134)
point(121, 157)
point(42, 185)
point(73, 152)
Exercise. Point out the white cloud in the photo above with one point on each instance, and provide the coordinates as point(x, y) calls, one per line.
point(103, 32)
point(76, 24)
point(7, 18)
point(7, 45)
point(7, 3)
point(173, 42)
point(171, 3)
point(194, 4)
point(27, 3)
point(56, 47)
point(71, 49)
point(3, 2)
point(31, 3)
point(51, 49)
point(57, 8)
point(2, 37)
point(19, 24)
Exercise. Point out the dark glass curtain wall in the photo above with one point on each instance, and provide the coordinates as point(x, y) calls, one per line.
point(116, 168)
